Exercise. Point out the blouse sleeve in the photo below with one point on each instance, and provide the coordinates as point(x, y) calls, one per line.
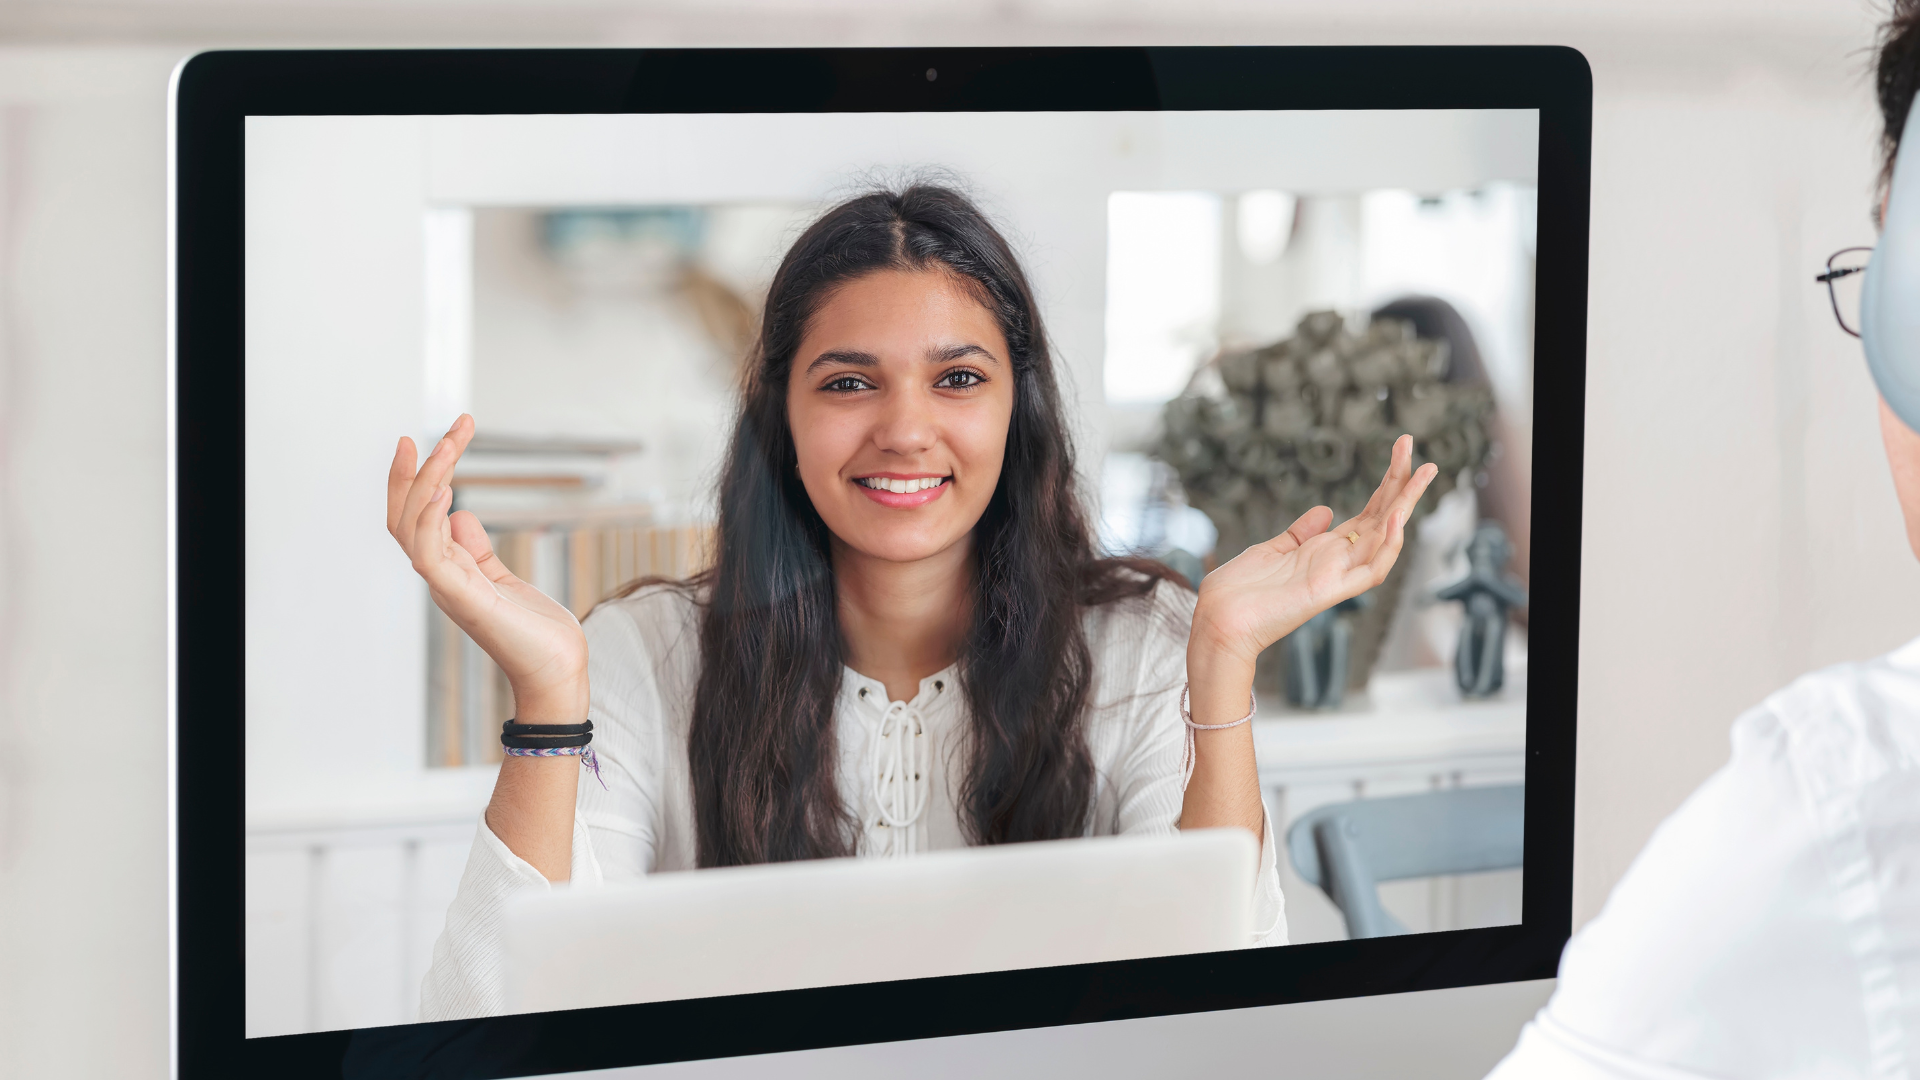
point(465, 978)
point(1149, 782)
point(613, 826)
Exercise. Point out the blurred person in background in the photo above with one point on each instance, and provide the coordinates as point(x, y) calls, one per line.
point(1771, 926)
point(1502, 493)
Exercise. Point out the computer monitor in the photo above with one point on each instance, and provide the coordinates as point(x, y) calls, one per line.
point(1223, 281)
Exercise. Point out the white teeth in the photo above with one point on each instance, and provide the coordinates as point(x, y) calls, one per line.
point(900, 487)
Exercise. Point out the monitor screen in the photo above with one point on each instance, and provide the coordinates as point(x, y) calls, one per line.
point(856, 489)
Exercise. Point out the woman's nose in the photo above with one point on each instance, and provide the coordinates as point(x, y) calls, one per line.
point(906, 423)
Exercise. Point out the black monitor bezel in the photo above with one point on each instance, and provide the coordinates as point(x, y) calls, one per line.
point(213, 94)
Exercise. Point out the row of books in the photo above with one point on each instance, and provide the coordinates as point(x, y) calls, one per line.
point(578, 563)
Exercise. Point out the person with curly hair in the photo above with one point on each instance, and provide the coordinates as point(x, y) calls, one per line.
point(1771, 926)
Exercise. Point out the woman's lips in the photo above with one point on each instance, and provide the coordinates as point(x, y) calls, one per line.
point(904, 500)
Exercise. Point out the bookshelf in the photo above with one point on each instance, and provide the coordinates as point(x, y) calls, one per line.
point(552, 512)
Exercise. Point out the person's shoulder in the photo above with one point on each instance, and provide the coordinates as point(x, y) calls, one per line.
point(1141, 625)
point(1736, 899)
point(1847, 724)
point(1132, 601)
point(652, 612)
point(655, 599)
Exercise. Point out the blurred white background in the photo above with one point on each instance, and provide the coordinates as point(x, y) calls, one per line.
point(1740, 526)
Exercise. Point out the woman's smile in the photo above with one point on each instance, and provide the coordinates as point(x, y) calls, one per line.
point(903, 492)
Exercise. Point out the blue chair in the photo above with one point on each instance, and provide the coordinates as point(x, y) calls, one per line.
point(1349, 848)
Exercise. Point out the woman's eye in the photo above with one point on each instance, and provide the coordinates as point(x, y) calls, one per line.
point(846, 384)
point(960, 380)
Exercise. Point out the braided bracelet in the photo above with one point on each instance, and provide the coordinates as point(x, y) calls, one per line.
point(1253, 706)
point(552, 740)
point(548, 751)
point(1186, 717)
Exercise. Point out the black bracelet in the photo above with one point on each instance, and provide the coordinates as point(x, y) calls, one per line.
point(515, 727)
point(531, 742)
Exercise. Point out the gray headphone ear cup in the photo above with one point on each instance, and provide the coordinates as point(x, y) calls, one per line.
point(1890, 294)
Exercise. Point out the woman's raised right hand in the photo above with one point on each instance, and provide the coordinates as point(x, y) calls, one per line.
point(536, 641)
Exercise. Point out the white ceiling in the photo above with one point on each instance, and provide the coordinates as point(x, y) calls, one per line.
point(1688, 26)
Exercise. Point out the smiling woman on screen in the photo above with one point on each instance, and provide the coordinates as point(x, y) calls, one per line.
point(907, 640)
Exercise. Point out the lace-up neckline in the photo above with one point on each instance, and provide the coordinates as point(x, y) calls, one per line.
point(899, 766)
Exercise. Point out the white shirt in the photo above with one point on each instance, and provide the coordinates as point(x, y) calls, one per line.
point(643, 663)
point(1771, 927)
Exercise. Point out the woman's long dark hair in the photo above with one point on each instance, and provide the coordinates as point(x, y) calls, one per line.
point(761, 743)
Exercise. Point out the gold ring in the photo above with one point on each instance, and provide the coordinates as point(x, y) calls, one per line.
point(1353, 538)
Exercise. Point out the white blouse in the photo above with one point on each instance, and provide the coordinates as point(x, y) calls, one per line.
point(900, 768)
point(1771, 926)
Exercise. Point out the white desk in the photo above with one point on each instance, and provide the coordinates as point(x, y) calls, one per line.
point(1410, 732)
point(1410, 725)
point(344, 901)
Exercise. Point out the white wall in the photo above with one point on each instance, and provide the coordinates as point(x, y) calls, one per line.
point(1739, 522)
point(333, 710)
point(83, 737)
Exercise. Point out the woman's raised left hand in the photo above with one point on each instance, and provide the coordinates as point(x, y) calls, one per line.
point(1270, 589)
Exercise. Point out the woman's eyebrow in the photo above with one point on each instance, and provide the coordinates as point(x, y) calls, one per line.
point(947, 354)
point(847, 357)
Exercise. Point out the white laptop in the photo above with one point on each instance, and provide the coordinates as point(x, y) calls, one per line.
point(832, 922)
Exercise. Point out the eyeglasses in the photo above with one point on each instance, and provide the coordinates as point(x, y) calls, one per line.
point(1843, 280)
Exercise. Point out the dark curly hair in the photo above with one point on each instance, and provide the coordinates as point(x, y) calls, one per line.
point(1896, 77)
